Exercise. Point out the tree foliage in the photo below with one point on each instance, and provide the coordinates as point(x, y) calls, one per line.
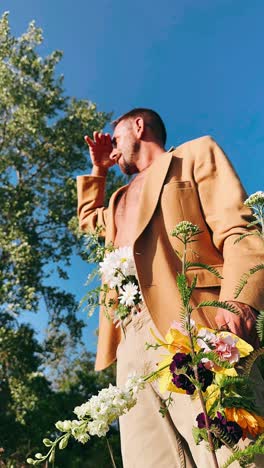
point(41, 151)
point(30, 403)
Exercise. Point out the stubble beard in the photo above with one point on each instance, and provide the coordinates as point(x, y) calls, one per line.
point(130, 158)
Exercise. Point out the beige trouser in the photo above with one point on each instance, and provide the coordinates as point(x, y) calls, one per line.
point(149, 440)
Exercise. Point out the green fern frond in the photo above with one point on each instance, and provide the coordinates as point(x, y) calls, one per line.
point(260, 325)
point(185, 290)
point(249, 361)
point(205, 267)
point(227, 381)
point(193, 284)
point(220, 304)
point(223, 436)
point(242, 283)
point(243, 237)
point(247, 455)
point(244, 278)
point(236, 392)
point(183, 317)
point(90, 301)
point(256, 268)
point(247, 403)
point(92, 276)
point(254, 223)
point(212, 356)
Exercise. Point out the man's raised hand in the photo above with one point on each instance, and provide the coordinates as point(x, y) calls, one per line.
point(100, 149)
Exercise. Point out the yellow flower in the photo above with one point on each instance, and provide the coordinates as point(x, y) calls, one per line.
point(250, 423)
point(165, 377)
point(211, 395)
point(175, 341)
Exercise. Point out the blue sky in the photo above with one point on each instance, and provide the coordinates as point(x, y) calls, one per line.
point(198, 63)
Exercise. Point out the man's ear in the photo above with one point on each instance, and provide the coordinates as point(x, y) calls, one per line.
point(139, 127)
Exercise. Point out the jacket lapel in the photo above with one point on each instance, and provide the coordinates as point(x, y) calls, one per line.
point(151, 191)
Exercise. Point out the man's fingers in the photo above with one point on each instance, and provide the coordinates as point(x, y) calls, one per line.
point(108, 139)
point(102, 139)
point(89, 141)
point(97, 137)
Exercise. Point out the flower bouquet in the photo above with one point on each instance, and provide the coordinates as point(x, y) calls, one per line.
point(212, 365)
point(215, 366)
point(207, 364)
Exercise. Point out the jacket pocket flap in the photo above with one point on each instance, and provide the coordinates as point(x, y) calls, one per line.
point(205, 279)
point(176, 183)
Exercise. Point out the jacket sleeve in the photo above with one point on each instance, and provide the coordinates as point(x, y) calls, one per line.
point(222, 200)
point(91, 209)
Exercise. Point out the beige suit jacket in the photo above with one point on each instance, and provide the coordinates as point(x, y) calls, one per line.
point(196, 182)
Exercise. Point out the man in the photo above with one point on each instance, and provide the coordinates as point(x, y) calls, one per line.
point(195, 182)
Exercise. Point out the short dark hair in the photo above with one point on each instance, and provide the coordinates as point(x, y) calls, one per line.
point(150, 117)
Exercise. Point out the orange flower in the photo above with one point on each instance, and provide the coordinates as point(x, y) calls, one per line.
point(250, 423)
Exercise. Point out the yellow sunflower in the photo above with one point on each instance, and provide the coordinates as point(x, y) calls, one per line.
point(250, 423)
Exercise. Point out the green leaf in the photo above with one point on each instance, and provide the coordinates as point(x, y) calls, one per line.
point(244, 278)
point(256, 268)
point(219, 304)
point(250, 360)
point(260, 326)
point(242, 283)
point(222, 436)
point(205, 267)
point(253, 223)
point(199, 435)
point(185, 290)
point(214, 357)
point(240, 238)
point(247, 455)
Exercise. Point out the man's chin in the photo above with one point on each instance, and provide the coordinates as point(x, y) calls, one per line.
point(127, 170)
point(123, 169)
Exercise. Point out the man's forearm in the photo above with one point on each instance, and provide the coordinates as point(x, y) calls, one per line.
point(99, 171)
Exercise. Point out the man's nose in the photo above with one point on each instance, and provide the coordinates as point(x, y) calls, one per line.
point(113, 154)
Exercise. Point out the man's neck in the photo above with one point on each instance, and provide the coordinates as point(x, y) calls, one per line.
point(149, 154)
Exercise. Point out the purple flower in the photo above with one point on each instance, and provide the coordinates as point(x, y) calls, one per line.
point(205, 376)
point(201, 420)
point(180, 360)
point(231, 428)
point(182, 381)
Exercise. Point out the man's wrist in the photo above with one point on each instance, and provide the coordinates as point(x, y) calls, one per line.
point(99, 171)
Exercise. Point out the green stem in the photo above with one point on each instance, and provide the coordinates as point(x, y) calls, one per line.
point(184, 258)
point(52, 448)
point(111, 453)
point(195, 369)
point(152, 374)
